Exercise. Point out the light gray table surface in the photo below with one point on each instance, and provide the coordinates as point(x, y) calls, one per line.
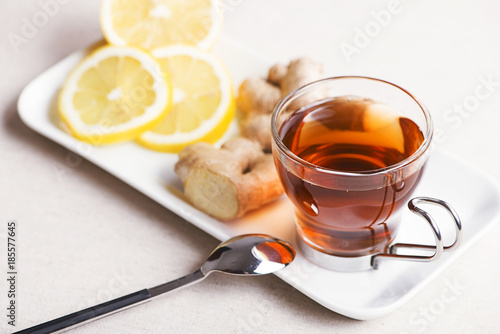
point(71, 253)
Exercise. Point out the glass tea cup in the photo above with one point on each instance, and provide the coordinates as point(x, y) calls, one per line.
point(350, 152)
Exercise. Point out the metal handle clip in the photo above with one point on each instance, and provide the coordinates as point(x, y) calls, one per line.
point(439, 248)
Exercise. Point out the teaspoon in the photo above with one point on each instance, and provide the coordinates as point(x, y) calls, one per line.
point(250, 254)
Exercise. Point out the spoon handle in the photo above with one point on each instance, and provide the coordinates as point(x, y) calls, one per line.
point(112, 306)
point(180, 282)
point(88, 314)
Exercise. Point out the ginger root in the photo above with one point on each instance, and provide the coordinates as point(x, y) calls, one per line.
point(299, 73)
point(258, 96)
point(230, 181)
point(258, 127)
point(268, 95)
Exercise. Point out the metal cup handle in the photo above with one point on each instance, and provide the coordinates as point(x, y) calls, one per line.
point(438, 248)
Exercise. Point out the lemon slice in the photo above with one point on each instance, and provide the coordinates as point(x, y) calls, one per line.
point(151, 24)
point(113, 95)
point(203, 103)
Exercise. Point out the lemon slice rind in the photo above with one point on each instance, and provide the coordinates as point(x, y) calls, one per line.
point(210, 130)
point(114, 38)
point(100, 133)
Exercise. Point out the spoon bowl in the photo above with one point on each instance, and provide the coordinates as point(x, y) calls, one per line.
point(251, 254)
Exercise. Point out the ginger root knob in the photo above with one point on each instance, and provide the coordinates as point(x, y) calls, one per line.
point(258, 128)
point(258, 96)
point(230, 181)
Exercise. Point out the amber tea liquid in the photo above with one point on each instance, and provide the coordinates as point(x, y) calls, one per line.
point(353, 135)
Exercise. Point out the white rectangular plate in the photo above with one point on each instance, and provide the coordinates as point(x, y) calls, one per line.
point(361, 295)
